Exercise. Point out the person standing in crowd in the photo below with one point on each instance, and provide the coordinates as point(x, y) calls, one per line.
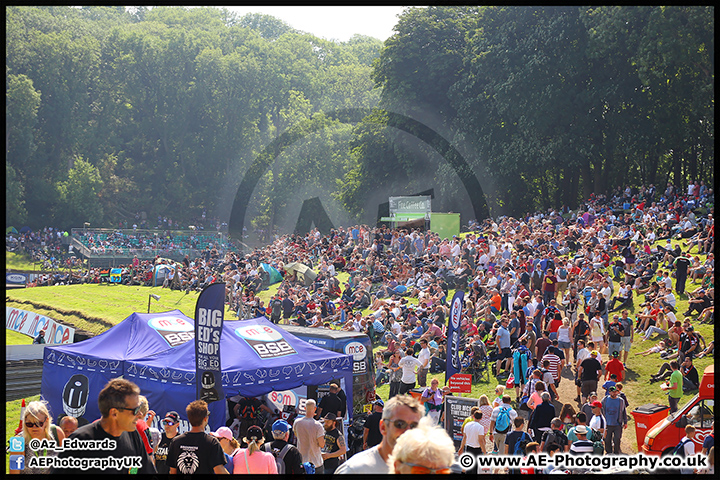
point(196, 451)
point(229, 445)
point(432, 397)
point(284, 451)
point(628, 333)
point(582, 445)
point(501, 423)
point(555, 436)
point(614, 411)
point(473, 439)
point(395, 373)
point(427, 449)
point(674, 386)
point(142, 425)
point(37, 424)
point(424, 358)
point(688, 447)
point(589, 372)
point(597, 421)
point(408, 364)
point(68, 424)
point(170, 425)
point(518, 435)
point(253, 459)
point(310, 436)
point(371, 431)
point(615, 367)
point(401, 413)
point(681, 263)
point(119, 405)
point(542, 417)
point(330, 403)
point(334, 444)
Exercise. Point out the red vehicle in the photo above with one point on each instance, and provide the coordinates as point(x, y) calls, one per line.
point(699, 412)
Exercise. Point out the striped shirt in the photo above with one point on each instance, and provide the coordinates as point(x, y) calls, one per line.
point(581, 446)
point(554, 364)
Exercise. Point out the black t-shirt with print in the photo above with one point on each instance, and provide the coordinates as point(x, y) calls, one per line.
point(195, 452)
point(333, 441)
point(161, 453)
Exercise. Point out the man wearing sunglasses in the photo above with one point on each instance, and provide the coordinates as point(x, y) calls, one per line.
point(119, 404)
point(170, 430)
point(400, 414)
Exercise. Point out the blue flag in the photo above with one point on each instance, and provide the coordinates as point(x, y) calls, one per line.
point(453, 335)
point(209, 315)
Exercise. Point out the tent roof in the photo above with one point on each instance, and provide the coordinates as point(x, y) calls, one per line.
point(139, 335)
point(243, 368)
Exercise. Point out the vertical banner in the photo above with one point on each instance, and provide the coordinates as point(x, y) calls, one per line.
point(209, 314)
point(453, 335)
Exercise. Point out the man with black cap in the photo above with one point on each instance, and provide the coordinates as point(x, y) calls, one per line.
point(284, 451)
point(170, 430)
point(371, 432)
point(334, 444)
point(613, 409)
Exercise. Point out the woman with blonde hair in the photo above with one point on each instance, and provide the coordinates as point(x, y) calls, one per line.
point(486, 409)
point(499, 390)
point(37, 424)
point(426, 449)
point(564, 338)
point(253, 459)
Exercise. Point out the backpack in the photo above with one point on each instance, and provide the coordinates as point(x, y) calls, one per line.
point(279, 457)
point(563, 273)
point(308, 467)
point(583, 329)
point(521, 444)
point(555, 436)
point(502, 424)
point(680, 448)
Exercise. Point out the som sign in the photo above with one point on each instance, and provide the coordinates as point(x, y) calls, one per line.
point(265, 340)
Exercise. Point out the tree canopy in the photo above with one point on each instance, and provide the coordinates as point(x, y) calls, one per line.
point(112, 111)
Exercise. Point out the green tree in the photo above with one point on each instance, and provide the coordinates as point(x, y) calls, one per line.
point(79, 195)
point(15, 212)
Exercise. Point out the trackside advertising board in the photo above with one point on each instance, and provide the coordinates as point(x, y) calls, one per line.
point(31, 323)
point(457, 409)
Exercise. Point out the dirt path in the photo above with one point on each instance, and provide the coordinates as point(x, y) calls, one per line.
point(568, 392)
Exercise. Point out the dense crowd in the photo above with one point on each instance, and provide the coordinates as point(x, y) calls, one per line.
point(545, 293)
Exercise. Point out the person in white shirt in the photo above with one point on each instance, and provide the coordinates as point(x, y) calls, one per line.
point(473, 437)
point(688, 446)
point(409, 364)
point(424, 358)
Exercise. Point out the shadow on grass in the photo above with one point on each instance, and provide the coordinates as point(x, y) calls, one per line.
point(631, 375)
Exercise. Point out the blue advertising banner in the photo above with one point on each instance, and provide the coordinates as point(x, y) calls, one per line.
point(453, 361)
point(209, 314)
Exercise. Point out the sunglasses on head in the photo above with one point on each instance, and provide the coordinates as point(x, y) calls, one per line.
point(423, 470)
point(135, 410)
point(35, 424)
point(402, 424)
